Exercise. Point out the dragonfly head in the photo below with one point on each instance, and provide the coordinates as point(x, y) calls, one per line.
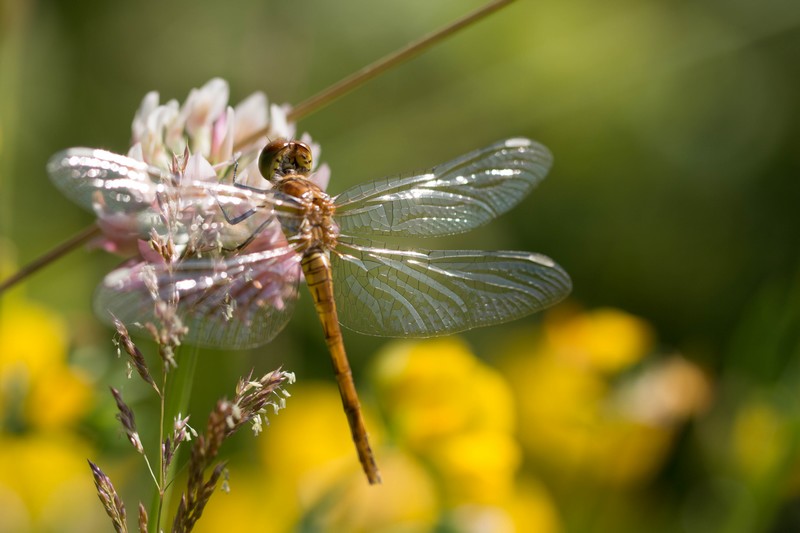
point(282, 158)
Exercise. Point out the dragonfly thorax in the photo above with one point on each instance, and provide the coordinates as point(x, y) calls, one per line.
point(316, 229)
point(287, 164)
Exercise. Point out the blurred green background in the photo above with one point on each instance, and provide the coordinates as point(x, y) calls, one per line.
point(674, 194)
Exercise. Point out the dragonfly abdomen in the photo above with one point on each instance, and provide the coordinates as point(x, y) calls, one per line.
point(317, 269)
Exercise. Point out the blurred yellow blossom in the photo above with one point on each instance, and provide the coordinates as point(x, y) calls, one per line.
point(34, 375)
point(577, 423)
point(452, 459)
point(73, 397)
point(760, 440)
point(321, 466)
point(532, 509)
point(437, 388)
point(44, 484)
point(32, 340)
point(457, 414)
point(406, 501)
point(44, 481)
point(309, 474)
point(322, 452)
point(477, 466)
point(605, 339)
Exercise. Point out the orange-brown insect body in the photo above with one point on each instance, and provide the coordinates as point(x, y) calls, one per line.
point(317, 229)
point(287, 165)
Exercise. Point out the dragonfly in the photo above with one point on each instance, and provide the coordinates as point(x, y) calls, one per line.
point(241, 250)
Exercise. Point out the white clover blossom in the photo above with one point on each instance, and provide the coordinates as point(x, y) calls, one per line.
point(206, 135)
point(207, 125)
point(195, 216)
point(210, 128)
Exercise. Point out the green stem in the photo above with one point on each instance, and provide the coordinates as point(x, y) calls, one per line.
point(176, 400)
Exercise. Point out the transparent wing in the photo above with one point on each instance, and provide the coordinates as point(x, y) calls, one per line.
point(126, 192)
point(235, 302)
point(125, 183)
point(402, 293)
point(451, 198)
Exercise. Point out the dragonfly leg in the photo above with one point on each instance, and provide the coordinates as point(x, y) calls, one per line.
point(243, 185)
point(233, 220)
point(237, 219)
point(250, 239)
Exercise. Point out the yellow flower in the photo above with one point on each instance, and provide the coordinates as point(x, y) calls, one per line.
point(532, 509)
point(407, 503)
point(321, 450)
point(626, 453)
point(58, 399)
point(761, 439)
point(669, 390)
point(32, 340)
point(45, 485)
point(574, 421)
point(34, 376)
point(606, 339)
point(437, 388)
point(44, 479)
point(453, 456)
point(309, 474)
point(452, 460)
point(453, 411)
point(476, 467)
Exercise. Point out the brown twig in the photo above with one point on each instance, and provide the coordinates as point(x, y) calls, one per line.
point(376, 68)
point(62, 249)
point(301, 110)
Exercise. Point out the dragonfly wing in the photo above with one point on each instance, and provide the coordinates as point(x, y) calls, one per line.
point(235, 302)
point(451, 198)
point(402, 293)
point(124, 183)
point(132, 197)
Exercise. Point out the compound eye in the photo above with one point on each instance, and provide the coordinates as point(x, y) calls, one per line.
point(281, 158)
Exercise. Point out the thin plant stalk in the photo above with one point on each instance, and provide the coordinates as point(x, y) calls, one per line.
point(360, 77)
point(302, 110)
point(51, 256)
point(180, 384)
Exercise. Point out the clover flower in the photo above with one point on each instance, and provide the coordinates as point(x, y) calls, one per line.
point(199, 141)
point(187, 210)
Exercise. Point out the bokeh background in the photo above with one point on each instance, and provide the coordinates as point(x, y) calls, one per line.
point(662, 396)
